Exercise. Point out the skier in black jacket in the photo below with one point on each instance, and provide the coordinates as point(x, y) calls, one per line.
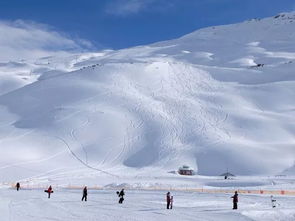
point(168, 200)
point(17, 186)
point(84, 194)
point(121, 195)
point(235, 200)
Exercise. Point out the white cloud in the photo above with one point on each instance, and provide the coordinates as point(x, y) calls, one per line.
point(26, 40)
point(127, 7)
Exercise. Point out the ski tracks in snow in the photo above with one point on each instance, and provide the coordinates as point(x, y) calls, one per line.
point(199, 89)
point(73, 131)
point(80, 160)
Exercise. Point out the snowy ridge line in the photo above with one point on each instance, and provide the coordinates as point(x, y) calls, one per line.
point(198, 190)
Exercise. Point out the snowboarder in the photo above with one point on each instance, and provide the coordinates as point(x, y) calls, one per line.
point(171, 202)
point(84, 194)
point(49, 191)
point(121, 196)
point(235, 200)
point(168, 200)
point(17, 186)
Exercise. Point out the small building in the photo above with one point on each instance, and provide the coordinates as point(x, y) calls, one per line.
point(186, 170)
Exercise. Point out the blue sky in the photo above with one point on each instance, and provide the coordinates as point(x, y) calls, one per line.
point(125, 23)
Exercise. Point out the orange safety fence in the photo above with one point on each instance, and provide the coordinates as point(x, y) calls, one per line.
point(54, 186)
point(186, 189)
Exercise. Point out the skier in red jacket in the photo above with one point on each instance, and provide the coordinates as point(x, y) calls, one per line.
point(49, 191)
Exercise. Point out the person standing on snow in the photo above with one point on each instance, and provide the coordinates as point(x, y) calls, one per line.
point(171, 202)
point(168, 200)
point(49, 191)
point(121, 196)
point(17, 186)
point(84, 194)
point(235, 200)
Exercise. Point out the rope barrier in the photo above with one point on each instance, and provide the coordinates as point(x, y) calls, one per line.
point(198, 190)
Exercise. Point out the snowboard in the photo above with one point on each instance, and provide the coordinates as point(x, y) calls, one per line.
point(46, 191)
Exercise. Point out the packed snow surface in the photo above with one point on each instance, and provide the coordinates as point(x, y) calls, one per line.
point(33, 205)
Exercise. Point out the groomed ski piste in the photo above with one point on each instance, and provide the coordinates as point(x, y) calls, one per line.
point(219, 99)
point(139, 205)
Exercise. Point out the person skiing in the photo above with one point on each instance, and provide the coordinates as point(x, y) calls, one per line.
point(17, 186)
point(121, 196)
point(168, 200)
point(84, 194)
point(49, 191)
point(235, 200)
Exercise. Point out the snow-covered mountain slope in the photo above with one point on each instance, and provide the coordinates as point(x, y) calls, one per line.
point(16, 74)
point(219, 98)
